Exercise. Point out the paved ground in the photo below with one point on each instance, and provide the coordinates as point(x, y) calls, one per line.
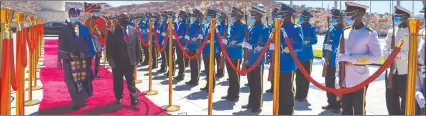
point(194, 102)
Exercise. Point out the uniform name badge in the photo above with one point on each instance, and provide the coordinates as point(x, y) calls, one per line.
point(233, 42)
point(257, 49)
point(193, 39)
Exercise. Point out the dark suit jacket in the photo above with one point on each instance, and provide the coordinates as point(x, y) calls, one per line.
point(120, 51)
point(68, 45)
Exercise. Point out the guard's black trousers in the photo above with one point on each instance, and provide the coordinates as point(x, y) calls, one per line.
point(168, 61)
point(354, 103)
point(194, 66)
point(256, 88)
point(286, 94)
point(163, 65)
point(206, 60)
point(146, 54)
point(302, 84)
point(234, 80)
point(97, 62)
point(330, 81)
point(181, 61)
point(218, 58)
point(395, 96)
point(128, 72)
point(154, 56)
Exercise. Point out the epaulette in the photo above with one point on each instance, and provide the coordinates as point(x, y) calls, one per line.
point(369, 28)
point(347, 27)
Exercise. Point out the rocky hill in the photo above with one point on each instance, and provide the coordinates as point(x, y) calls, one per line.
point(379, 22)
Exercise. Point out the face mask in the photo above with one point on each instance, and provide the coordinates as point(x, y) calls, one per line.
point(193, 19)
point(333, 21)
point(208, 19)
point(74, 19)
point(349, 20)
point(233, 19)
point(180, 18)
point(220, 20)
point(251, 20)
point(397, 20)
point(96, 14)
point(301, 20)
point(139, 19)
point(145, 19)
point(154, 19)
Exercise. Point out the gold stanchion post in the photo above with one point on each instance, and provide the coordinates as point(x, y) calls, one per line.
point(211, 67)
point(171, 107)
point(276, 80)
point(150, 92)
point(37, 53)
point(413, 27)
point(136, 67)
point(32, 68)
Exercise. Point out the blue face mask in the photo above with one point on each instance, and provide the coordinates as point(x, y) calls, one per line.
point(74, 19)
point(154, 19)
point(139, 19)
point(96, 14)
point(145, 19)
point(349, 20)
point(193, 19)
point(333, 21)
point(301, 20)
point(233, 19)
point(180, 19)
point(208, 19)
point(251, 20)
point(220, 19)
point(397, 20)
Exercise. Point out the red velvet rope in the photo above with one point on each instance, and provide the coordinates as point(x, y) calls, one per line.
point(341, 91)
point(256, 63)
point(185, 54)
point(141, 37)
point(158, 45)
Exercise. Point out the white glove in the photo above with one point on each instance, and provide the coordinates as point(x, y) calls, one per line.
point(173, 37)
point(163, 34)
point(272, 47)
point(284, 33)
point(186, 37)
point(247, 45)
point(343, 57)
point(336, 83)
point(327, 47)
point(323, 62)
point(158, 31)
point(420, 99)
point(200, 36)
point(224, 41)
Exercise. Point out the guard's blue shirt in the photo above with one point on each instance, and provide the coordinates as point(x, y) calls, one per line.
point(194, 29)
point(156, 27)
point(206, 35)
point(258, 37)
point(144, 30)
point(310, 38)
point(295, 34)
point(235, 43)
point(168, 35)
point(335, 35)
point(131, 23)
point(269, 53)
point(163, 28)
point(181, 31)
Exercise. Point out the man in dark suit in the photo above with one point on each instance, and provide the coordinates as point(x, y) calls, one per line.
point(123, 50)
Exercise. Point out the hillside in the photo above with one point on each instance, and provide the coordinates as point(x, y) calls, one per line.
point(382, 22)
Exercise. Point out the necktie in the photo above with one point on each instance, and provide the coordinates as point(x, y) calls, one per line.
point(126, 36)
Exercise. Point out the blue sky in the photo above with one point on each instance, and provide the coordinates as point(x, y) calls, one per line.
point(377, 6)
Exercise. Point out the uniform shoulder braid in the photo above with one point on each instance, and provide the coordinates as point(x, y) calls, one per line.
point(369, 28)
point(347, 27)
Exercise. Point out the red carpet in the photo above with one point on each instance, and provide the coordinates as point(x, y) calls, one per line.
point(56, 99)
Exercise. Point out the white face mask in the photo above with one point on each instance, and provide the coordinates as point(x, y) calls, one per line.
point(349, 20)
point(74, 19)
point(193, 19)
point(96, 14)
point(180, 19)
point(233, 19)
point(333, 21)
point(251, 20)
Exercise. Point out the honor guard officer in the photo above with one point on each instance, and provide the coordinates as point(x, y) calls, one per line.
point(156, 25)
point(274, 14)
point(287, 65)
point(98, 29)
point(162, 34)
point(258, 34)
point(234, 47)
point(181, 30)
point(334, 35)
point(362, 47)
point(394, 105)
point(206, 52)
point(305, 56)
point(194, 41)
point(223, 31)
point(170, 15)
point(420, 81)
point(143, 25)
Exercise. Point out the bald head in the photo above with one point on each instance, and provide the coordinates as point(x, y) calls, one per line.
point(124, 19)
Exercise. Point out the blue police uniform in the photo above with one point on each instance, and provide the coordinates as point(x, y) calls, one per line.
point(206, 51)
point(194, 37)
point(305, 56)
point(161, 39)
point(181, 30)
point(143, 25)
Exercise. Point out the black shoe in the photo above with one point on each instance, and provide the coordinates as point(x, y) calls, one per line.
point(154, 67)
point(144, 63)
point(75, 108)
point(256, 110)
point(118, 101)
point(336, 111)
point(204, 89)
point(179, 77)
point(327, 107)
point(247, 84)
point(245, 107)
point(224, 97)
point(167, 74)
point(192, 83)
point(219, 75)
point(136, 103)
point(270, 90)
